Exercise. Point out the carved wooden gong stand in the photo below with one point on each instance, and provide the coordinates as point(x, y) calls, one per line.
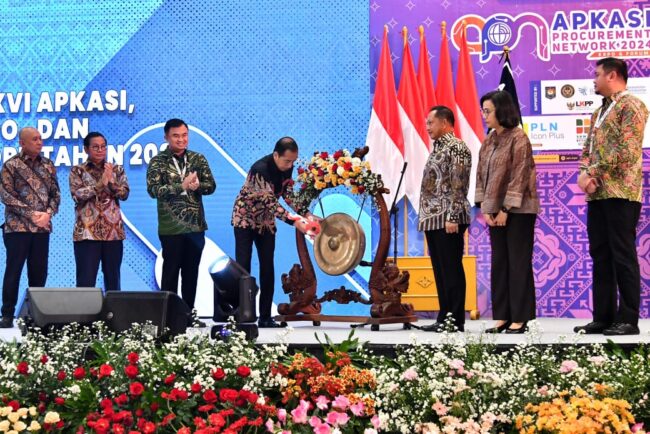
point(387, 284)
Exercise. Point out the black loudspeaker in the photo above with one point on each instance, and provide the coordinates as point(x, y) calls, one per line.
point(165, 310)
point(46, 307)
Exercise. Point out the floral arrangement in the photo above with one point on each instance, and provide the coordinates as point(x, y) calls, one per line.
point(322, 397)
point(325, 170)
point(578, 413)
point(80, 381)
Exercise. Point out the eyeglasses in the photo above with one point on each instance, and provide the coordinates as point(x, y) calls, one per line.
point(486, 112)
point(97, 148)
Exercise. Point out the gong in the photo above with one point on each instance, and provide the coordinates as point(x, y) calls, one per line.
point(339, 247)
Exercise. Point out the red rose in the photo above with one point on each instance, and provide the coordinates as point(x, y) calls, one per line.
point(105, 370)
point(136, 388)
point(59, 401)
point(131, 371)
point(361, 189)
point(320, 172)
point(184, 430)
point(347, 166)
point(102, 425)
point(79, 373)
point(301, 171)
point(228, 395)
point(139, 412)
point(168, 419)
point(122, 399)
point(42, 396)
point(170, 379)
point(195, 388)
point(218, 374)
point(60, 375)
point(154, 407)
point(23, 368)
point(209, 396)
point(244, 371)
point(118, 428)
point(149, 428)
point(206, 407)
point(338, 154)
point(133, 358)
point(15, 405)
point(199, 423)
point(324, 155)
point(106, 403)
point(44, 359)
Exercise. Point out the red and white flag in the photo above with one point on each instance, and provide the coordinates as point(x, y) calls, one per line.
point(385, 140)
point(413, 120)
point(469, 117)
point(425, 79)
point(445, 84)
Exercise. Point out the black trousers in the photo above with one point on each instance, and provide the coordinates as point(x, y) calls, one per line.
point(513, 285)
point(446, 251)
point(89, 253)
point(182, 253)
point(265, 245)
point(611, 227)
point(21, 247)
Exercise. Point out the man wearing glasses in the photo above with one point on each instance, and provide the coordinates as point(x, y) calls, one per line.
point(97, 187)
point(30, 192)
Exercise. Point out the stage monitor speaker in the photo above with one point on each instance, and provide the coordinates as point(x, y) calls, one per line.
point(165, 310)
point(46, 307)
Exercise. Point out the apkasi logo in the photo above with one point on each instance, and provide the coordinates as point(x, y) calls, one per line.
point(499, 30)
point(596, 32)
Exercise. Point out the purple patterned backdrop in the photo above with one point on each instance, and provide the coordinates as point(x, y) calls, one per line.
point(561, 262)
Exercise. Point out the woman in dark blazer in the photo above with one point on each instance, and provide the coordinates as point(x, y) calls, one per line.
point(507, 193)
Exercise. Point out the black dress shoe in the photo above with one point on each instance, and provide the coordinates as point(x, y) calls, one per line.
point(439, 327)
point(6, 323)
point(621, 329)
point(269, 324)
point(499, 329)
point(520, 331)
point(436, 327)
point(593, 328)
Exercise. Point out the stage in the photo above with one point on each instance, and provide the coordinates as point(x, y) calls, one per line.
point(543, 331)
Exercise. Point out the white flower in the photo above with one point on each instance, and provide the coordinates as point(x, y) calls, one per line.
point(52, 417)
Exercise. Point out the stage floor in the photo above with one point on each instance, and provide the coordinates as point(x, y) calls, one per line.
point(544, 331)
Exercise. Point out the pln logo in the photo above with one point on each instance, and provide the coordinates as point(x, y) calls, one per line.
point(500, 30)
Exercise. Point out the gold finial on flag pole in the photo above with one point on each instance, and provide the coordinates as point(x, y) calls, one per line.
point(385, 28)
point(421, 30)
point(463, 28)
point(405, 33)
point(443, 28)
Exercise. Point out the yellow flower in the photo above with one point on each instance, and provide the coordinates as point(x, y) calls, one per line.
point(4, 426)
point(52, 417)
point(34, 426)
point(20, 426)
point(13, 417)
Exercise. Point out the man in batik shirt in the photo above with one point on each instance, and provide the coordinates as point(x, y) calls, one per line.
point(178, 179)
point(30, 192)
point(254, 213)
point(97, 187)
point(611, 176)
point(444, 215)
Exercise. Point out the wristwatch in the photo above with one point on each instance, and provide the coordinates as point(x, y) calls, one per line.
point(505, 210)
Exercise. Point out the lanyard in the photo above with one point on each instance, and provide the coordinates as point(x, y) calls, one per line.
point(601, 118)
point(178, 169)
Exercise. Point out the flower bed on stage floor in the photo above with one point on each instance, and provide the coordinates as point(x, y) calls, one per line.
point(76, 382)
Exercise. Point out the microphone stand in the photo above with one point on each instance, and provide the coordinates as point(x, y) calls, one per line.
point(393, 212)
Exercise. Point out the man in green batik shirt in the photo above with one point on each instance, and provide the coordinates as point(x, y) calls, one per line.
point(178, 179)
point(611, 175)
